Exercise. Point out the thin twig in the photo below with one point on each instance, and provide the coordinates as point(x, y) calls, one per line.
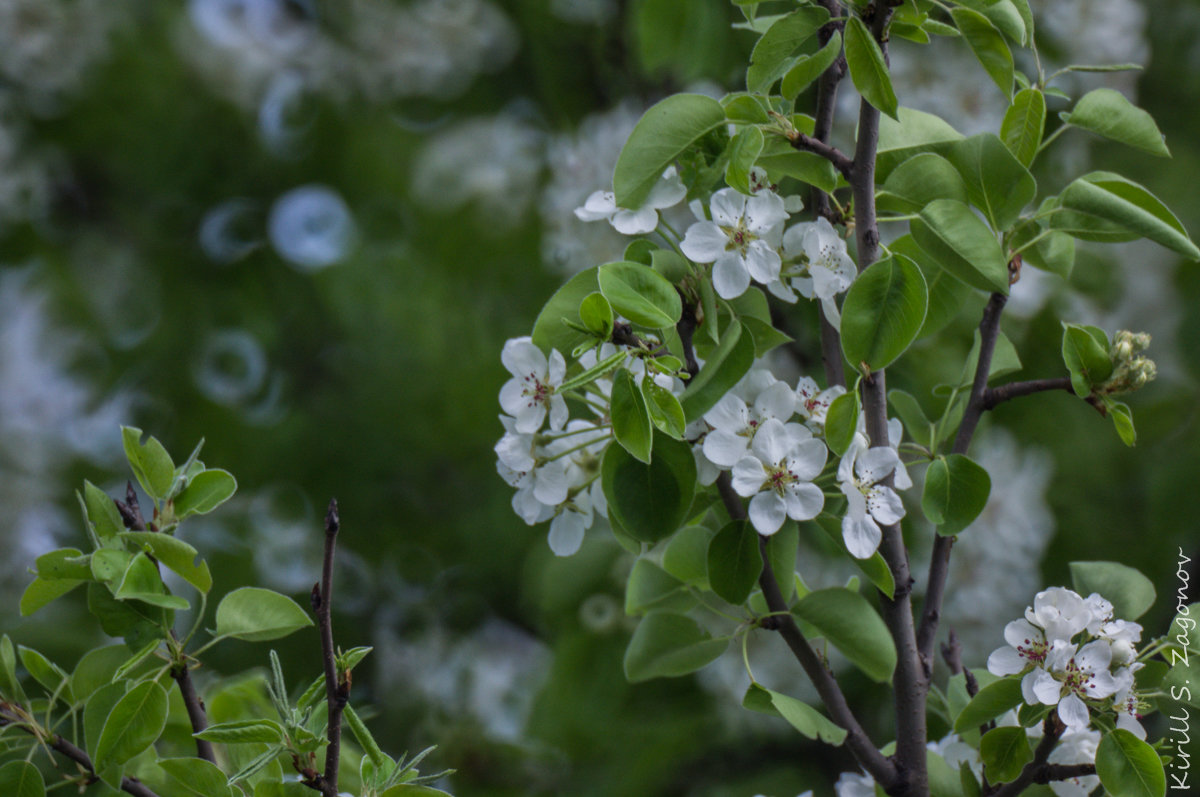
point(952, 654)
point(337, 689)
point(808, 143)
point(1002, 393)
point(195, 709)
point(882, 769)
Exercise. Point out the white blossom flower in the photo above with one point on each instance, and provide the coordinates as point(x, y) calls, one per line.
point(668, 191)
point(741, 241)
point(778, 473)
point(1122, 635)
point(571, 520)
point(1061, 612)
point(814, 403)
point(539, 491)
point(1026, 645)
point(955, 752)
point(532, 392)
point(1101, 610)
point(735, 424)
point(1071, 674)
point(825, 267)
point(760, 181)
point(854, 784)
point(1125, 701)
point(1076, 746)
point(869, 503)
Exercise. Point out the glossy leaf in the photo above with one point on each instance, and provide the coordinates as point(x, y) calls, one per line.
point(1112, 198)
point(916, 132)
point(734, 562)
point(1085, 353)
point(101, 511)
point(663, 133)
point(910, 413)
point(996, 181)
point(650, 587)
point(1005, 752)
point(868, 69)
point(920, 180)
point(804, 718)
point(808, 68)
point(771, 56)
point(851, 625)
point(666, 645)
point(206, 491)
point(781, 554)
point(841, 422)
point(195, 777)
point(988, 45)
point(1129, 767)
point(552, 328)
point(175, 554)
point(1024, 124)
point(744, 150)
point(141, 581)
point(256, 615)
point(135, 722)
point(649, 501)
point(991, 701)
point(1106, 112)
point(747, 108)
point(781, 160)
point(243, 732)
point(640, 294)
point(1130, 592)
point(21, 779)
point(883, 312)
point(630, 418)
point(956, 491)
point(49, 675)
point(686, 556)
point(962, 244)
point(1122, 418)
point(666, 413)
point(728, 363)
point(41, 592)
point(150, 462)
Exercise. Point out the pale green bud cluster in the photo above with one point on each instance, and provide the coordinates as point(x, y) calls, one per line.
point(1131, 369)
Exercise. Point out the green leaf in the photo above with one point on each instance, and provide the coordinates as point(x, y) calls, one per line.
point(670, 264)
point(256, 615)
point(956, 491)
point(552, 329)
point(109, 564)
point(1053, 252)
point(175, 554)
point(640, 294)
point(101, 511)
point(206, 491)
point(1130, 592)
point(666, 412)
point(21, 779)
point(1005, 16)
point(991, 701)
point(151, 463)
point(1129, 767)
point(744, 150)
point(873, 567)
point(136, 621)
point(883, 312)
point(686, 556)
point(1112, 198)
point(142, 582)
point(1086, 357)
point(781, 160)
point(40, 592)
point(728, 363)
point(630, 418)
point(752, 310)
point(961, 244)
point(47, 673)
point(1024, 124)
point(747, 108)
point(920, 180)
point(916, 132)
point(1005, 752)
point(847, 620)
point(650, 501)
point(910, 413)
point(664, 132)
point(841, 421)
point(781, 554)
point(668, 645)
point(196, 777)
point(365, 740)
point(96, 712)
point(810, 67)
point(651, 587)
point(771, 57)
point(1122, 419)
point(997, 183)
point(1107, 113)
point(988, 45)
point(243, 732)
point(807, 720)
point(64, 563)
point(135, 723)
point(413, 790)
point(734, 562)
point(868, 70)
point(96, 669)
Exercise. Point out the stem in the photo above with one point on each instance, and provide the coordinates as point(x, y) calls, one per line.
point(830, 153)
point(337, 691)
point(939, 565)
point(998, 395)
point(1050, 138)
point(1038, 770)
point(883, 770)
point(195, 708)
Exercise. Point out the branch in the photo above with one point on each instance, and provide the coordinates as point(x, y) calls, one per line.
point(952, 654)
point(939, 564)
point(337, 690)
point(883, 770)
point(195, 710)
point(830, 153)
point(130, 785)
point(1037, 769)
point(998, 395)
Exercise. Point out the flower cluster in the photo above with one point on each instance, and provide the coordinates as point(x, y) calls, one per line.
point(1075, 656)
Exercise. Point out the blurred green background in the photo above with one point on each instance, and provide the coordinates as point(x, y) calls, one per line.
point(302, 230)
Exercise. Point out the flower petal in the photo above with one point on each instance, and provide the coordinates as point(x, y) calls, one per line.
point(804, 501)
point(598, 205)
point(728, 206)
point(861, 536)
point(725, 448)
point(748, 476)
point(767, 512)
point(1005, 661)
point(729, 275)
point(635, 222)
point(1073, 712)
point(566, 533)
point(704, 242)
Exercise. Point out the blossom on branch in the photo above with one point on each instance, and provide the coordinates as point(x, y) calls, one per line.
point(668, 191)
point(742, 240)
